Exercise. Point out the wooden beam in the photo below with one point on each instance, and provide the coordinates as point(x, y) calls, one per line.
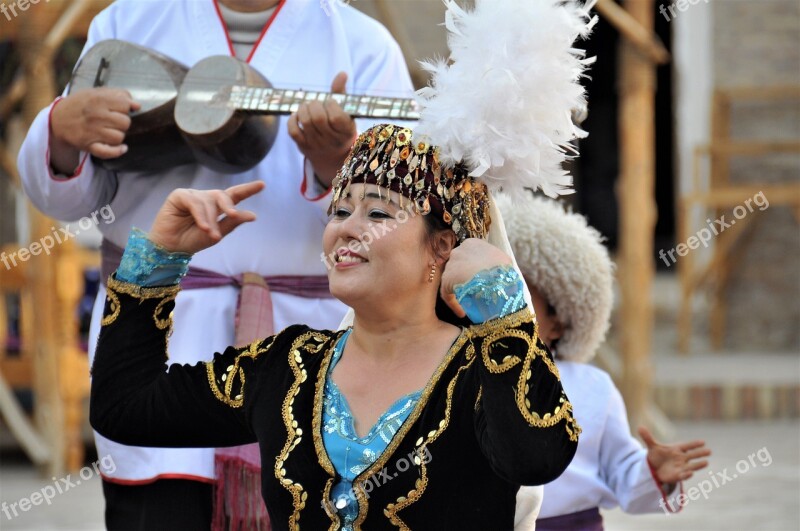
point(387, 15)
point(12, 97)
point(637, 83)
point(47, 342)
point(19, 425)
point(9, 165)
point(14, 29)
point(63, 28)
point(645, 40)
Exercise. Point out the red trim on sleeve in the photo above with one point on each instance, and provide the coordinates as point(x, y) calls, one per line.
point(304, 187)
point(79, 169)
point(664, 495)
point(138, 482)
point(260, 37)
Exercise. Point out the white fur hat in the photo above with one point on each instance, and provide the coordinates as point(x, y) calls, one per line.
point(565, 259)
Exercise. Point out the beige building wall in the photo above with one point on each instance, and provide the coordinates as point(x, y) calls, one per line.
point(757, 43)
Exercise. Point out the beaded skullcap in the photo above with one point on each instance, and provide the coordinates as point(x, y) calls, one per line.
point(388, 156)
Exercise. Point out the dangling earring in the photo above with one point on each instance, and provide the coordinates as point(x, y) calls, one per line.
point(433, 272)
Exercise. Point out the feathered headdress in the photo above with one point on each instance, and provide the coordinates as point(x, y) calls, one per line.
point(498, 114)
point(502, 104)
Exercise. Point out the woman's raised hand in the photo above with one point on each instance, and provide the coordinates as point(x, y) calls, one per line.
point(192, 220)
point(466, 260)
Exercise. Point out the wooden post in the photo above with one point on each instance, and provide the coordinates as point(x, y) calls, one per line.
point(637, 84)
point(49, 414)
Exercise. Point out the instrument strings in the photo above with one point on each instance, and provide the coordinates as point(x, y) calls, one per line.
point(220, 81)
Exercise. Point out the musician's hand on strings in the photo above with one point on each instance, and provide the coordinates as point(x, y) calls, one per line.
point(192, 220)
point(93, 120)
point(324, 133)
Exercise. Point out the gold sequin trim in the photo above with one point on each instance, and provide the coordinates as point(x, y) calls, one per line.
point(141, 292)
point(496, 329)
point(513, 320)
point(234, 374)
point(378, 464)
point(478, 398)
point(562, 412)
point(327, 504)
point(114, 307)
point(421, 484)
point(316, 425)
point(311, 342)
point(166, 293)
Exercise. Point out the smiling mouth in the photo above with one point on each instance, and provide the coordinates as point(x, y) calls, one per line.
point(349, 259)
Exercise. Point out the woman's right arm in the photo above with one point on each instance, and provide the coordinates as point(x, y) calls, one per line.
point(135, 400)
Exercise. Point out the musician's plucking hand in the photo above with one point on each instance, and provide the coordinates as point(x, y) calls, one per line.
point(324, 133)
point(93, 120)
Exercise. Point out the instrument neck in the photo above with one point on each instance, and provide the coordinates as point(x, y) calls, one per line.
point(267, 100)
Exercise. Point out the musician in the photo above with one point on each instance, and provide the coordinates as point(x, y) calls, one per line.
point(295, 44)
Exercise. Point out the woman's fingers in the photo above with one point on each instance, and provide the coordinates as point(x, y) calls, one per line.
point(229, 223)
point(451, 301)
point(212, 214)
point(232, 218)
point(198, 211)
point(240, 192)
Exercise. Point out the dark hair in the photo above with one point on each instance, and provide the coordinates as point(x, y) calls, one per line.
point(434, 225)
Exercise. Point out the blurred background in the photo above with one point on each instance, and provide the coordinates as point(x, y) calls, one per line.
point(691, 171)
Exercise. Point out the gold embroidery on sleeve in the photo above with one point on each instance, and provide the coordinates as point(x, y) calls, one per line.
point(166, 293)
point(234, 374)
point(114, 306)
point(506, 327)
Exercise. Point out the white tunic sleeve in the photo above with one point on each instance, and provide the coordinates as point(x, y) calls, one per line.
point(623, 462)
point(65, 197)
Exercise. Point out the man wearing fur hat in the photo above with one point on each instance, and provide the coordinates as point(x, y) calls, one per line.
point(570, 276)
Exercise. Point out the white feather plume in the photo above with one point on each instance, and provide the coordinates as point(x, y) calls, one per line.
point(502, 104)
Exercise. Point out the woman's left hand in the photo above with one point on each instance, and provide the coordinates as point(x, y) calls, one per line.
point(466, 260)
point(674, 462)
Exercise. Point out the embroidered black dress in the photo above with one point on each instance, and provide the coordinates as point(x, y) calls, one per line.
point(493, 417)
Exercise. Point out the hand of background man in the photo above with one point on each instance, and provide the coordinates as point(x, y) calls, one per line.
point(93, 120)
point(324, 133)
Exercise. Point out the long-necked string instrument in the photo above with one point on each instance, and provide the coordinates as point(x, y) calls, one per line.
point(221, 113)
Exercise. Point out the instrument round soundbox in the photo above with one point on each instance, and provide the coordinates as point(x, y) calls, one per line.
point(223, 137)
point(154, 141)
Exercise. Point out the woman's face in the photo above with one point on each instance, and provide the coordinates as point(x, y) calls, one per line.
point(373, 247)
point(550, 328)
